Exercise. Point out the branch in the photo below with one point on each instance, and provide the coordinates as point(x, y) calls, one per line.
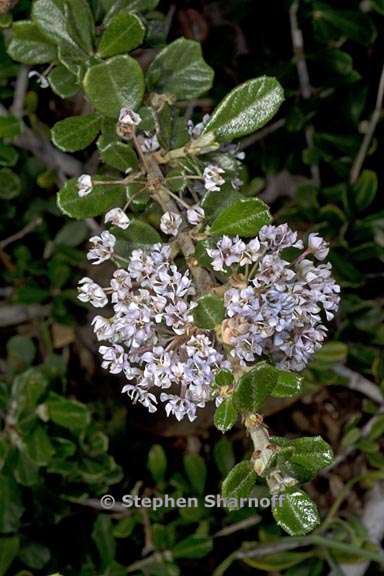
point(21, 86)
point(261, 134)
point(302, 72)
point(23, 232)
point(363, 150)
point(357, 382)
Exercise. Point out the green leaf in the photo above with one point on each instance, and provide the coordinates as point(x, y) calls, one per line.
point(9, 546)
point(119, 155)
point(20, 352)
point(365, 189)
point(280, 561)
point(196, 471)
point(10, 185)
point(224, 456)
point(288, 384)
point(8, 155)
point(224, 378)
point(11, 508)
point(75, 133)
point(225, 415)
point(254, 387)
point(246, 109)
point(215, 202)
point(69, 414)
point(138, 235)
point(240, 481)
point(27, 389)
point(80, 23)
point(244, 217)
point(195, 546)
point(102, 535)
point(125, 31)
point(29, 45)
point(331, 23)
point(10, 126)
point(39, 446)
point(180, 69)
point(63, 82)
point(305, 456)
point(113, 84)
point(296, 513)
point(101, 199)
point(26, 470)
point(330, 353)
point(209, 311)
point(49, 15)
point(157, 463)
point(72, 234)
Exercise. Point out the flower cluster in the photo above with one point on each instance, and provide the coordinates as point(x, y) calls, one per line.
point(278, 311)
point(150, 337)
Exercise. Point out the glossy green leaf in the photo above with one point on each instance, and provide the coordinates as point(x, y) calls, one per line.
point(157, 462)
point(113, 84)
point(10, 185)
point(330, 353)
point(244, 217)
point(69, 414)
point(365, 189)
point(305, 457)
point(196, 471)
point(215, 202)
point(280, 561)
point(224, 378)
point(288, 384)
point(254, 387)
point(225, 415)
point(332, 23)
point(125, 31)
point(246, 109)
point(9, 546)
point(29, 45)
point(75, 133)
point(296, 513)
point(180, 69)
point(195, 546)
point(63, 82)
point(209, 311)
point(28, 388)
point(240, 481)
point(26, 470)
point(39, 446)
point(101, 199)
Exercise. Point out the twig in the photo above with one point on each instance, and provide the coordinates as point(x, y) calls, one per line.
point(40, 147)
point(261, 134)
point(302, 72)
point(21, 86)
point(363, 150)
point(242, 525)
point(19, 313)
point(357, 382)
point(23, 232)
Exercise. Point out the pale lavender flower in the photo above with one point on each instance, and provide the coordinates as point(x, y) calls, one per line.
point(91, 292)
point(195, 215)
point(212, 178)
point(170, 223)
point(103, 246)
point(117, 217)
point(84, 185)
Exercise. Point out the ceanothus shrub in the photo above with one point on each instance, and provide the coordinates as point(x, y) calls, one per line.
point(208, 300)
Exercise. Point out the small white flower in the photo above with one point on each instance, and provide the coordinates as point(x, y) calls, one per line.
point(40, 78)
point(117, 217)
point(318, 246)
point(227, 252)
point(195, 215)
point(195, 130)
point(150, 144)
point(91, 292)
point(128, 117)
point(103, 246)
point(113, 358)
point(170, 223)
point(84, 183)
point(212, 179)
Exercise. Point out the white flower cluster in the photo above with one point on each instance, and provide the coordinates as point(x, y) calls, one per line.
point(151, 337)
point(278, 312)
